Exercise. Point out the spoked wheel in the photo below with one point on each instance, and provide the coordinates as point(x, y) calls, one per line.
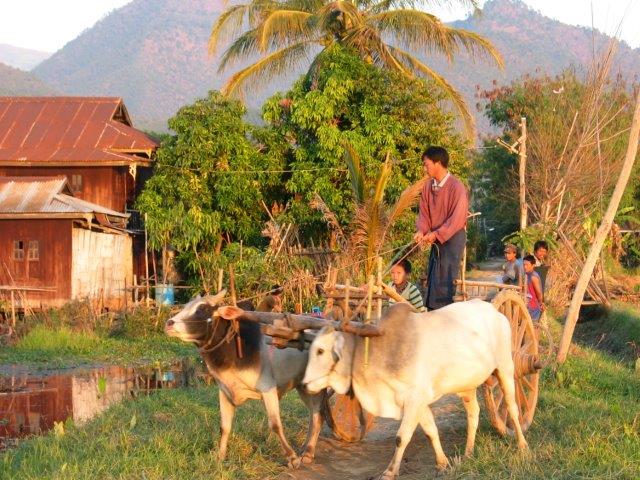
point(524, 348)
point(346, 418)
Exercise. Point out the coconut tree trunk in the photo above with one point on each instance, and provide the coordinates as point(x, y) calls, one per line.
point(601, 235)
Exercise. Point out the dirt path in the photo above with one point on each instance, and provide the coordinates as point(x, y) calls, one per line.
point(365, 460)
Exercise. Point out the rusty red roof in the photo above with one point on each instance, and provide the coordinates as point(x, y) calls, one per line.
point(45, 197)
point(70, 131)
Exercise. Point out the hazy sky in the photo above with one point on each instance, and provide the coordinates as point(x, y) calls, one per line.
point(49, 24)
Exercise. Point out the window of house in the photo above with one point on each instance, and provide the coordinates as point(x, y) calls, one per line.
point(76, 182)
point(18, 250)
point(34, 250)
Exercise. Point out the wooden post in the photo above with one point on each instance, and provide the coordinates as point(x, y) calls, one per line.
point(368, 318)
point(232, 285)
point(146, 260)
point(347, 294)
point(125, 295)
point(220, 277)
point(13, 309)
point(236, 326)
point(298, 308)
point(601, 235)
point(463, 273)
point(379, 290)
point(522, 153)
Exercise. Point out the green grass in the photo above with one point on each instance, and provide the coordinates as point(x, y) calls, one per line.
point(167, 435)
point(587, 426)
point(63, 348)
point(617, 331)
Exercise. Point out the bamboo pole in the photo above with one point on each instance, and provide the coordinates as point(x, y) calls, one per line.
point(379, 290)
point(303, 322)
point(522, 153)
point(146, 260)
point(236, 326)
point(601, 235)
point(220, 277)
point(396, 296)
point(347, 310)
point(13, 309)
point(368, 318)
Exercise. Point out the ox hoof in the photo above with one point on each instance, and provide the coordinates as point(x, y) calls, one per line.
point(294, 462)
point(387, 475)
point(442, 465)
point(307, 458)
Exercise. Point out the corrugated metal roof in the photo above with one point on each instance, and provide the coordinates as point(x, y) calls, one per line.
point(45, 195)
point(69, 130)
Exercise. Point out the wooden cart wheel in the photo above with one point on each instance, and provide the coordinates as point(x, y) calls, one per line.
point(346, 418)
point(524, 347)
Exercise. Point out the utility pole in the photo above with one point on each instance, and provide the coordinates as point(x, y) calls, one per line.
point(601, 235)
point(519, 147)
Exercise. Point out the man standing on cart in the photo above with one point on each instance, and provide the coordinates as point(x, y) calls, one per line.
point(441, 223)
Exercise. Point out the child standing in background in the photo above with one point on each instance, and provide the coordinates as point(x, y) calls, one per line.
point(535, 297)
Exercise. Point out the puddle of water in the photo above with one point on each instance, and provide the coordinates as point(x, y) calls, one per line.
point(30, 404)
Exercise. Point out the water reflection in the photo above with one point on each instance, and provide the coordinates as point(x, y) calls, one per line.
point(30, 404)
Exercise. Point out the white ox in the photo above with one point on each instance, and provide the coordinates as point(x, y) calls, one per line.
point(419, 358)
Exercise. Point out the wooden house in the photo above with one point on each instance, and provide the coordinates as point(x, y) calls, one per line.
point(65, 246)
point(90, 141)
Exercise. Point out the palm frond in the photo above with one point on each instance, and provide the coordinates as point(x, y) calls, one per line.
point(266, 68)
point(455, 96)
point(230, 21)
point(376, 211)
point(283, 27)
point(476, 45)
point(352, 159)
point(245, 45)
point(338, 16)
point(407, 200)
point(416, 30)
point(319, 204)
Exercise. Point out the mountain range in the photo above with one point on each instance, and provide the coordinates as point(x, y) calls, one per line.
point(14, 81)
point(22, 58)
point(153, 53)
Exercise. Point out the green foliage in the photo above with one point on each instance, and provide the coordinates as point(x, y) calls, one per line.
point(494, 192)
point(348, 101)
point(286, 33)
point(549, 104)
point(525, 239)
point(203, 187)
point(209, 181)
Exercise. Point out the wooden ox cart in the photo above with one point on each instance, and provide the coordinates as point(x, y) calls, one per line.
point(345, 303)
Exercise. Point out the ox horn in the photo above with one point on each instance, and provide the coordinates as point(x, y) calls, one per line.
point(215, 299)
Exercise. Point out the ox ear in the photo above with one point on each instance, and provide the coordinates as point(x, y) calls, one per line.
point(229, 312)
point(338, 347)
point(215, 299)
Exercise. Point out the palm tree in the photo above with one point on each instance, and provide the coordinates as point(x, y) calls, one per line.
point(368, 232)
point(285, 33)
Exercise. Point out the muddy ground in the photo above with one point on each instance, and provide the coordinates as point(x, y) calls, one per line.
point(365, 460)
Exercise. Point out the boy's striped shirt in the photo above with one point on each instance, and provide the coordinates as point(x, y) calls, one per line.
point(412, 294)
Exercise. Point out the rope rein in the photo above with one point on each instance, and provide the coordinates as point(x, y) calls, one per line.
point(232, 331)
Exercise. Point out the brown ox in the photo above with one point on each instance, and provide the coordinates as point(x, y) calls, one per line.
point(263, 372)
